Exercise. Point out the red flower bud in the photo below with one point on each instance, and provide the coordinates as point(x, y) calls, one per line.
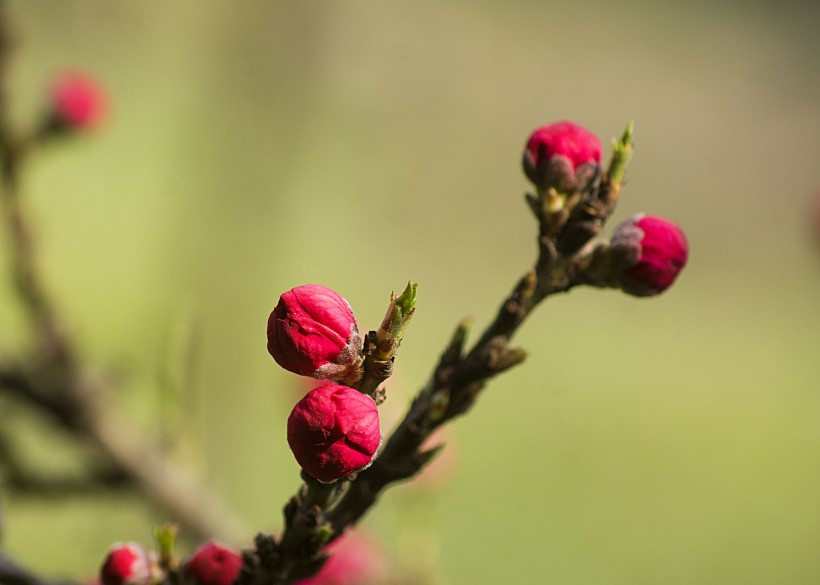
point(562, 155)
point(815, 217)
point(77, 101)
point(129, 563)
point(312, 332)
point(355, 559)
point(647, 254)
point(334, 431)
point(212, 564)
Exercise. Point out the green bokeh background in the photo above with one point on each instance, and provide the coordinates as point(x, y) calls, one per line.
point(256, 145)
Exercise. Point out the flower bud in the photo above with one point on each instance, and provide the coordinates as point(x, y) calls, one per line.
point(647, 253)
point(312, 332)
point(129, 563)
point(77, 101)
point(355, 559)
point(815, 217)
point(563, 156)
point(334, 431)
point(212, 564)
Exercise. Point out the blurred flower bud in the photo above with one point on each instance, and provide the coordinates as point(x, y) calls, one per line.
point(77, 101)
point(441, 469)
point(647, 253)
point(129, 563)
point(312, 332)
point(563, 156)
point(355, 559)
point(815, 217)
point(334, 431)
point(212, 564)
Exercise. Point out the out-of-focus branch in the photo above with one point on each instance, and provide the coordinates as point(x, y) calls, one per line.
point(12, 573)
point(53, 380)
point(127, 452)
point(19, 477)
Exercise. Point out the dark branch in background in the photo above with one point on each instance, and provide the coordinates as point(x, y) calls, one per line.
point(18, 477)
point(52, 379)
point(13, 574)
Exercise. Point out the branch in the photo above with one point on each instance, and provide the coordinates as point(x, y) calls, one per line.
point(567, 234)
point(18, 477)
point(53, 380)
point(13, 574)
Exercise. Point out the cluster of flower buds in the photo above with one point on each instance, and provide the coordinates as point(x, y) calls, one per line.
point(130, 563)
point(76, 102)
point(334, 430)
point(562, 160)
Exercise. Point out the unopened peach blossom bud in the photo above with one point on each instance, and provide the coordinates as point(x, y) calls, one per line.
point(312, 332)
point(129, 563)
point(212, 564)
point(647, 254)
point(355, 559)
point(77, 101)
point(563, 156)
point(334, 431)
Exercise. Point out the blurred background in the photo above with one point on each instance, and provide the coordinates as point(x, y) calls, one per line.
point(254, 146)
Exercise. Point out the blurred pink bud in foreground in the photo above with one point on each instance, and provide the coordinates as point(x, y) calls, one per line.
point(441, 469)
point(78, 101)
point(128, 563)
point(648, 253)
point(354, 560)
point(212, 564)
point(562, 155)
point(334, 431)
point(312, 332)
point(815, 217)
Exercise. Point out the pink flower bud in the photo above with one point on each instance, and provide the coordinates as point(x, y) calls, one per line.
point(212, 564)
point(334, 431)
point(312, 332)
point(77, 101)
point(815, 217)
point(562, 155)
point(129, 563)
point(647, 254)
point(441, 469)
point(355, 559)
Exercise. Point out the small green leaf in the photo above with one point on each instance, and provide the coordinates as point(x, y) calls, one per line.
point(621, 155)
point(165, 537)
